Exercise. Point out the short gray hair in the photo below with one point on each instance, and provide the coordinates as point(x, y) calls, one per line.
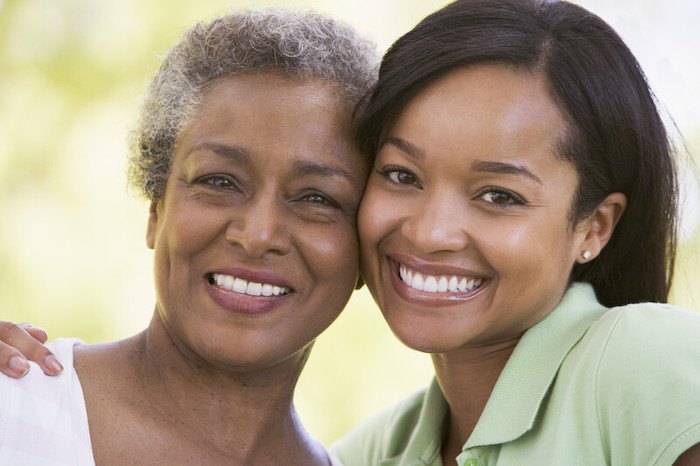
point(294, 44)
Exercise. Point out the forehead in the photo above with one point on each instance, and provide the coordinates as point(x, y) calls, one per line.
point(491, 106)
point(273, 116)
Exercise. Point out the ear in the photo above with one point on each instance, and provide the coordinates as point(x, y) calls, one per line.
point(599, 227)
point(360, 282)
point(152, 224)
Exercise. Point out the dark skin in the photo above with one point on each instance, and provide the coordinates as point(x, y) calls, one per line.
point(454, 367)
point(488, 363)
point(184, 426)
point(16, 336)
point(212, 378)
point(467, 177)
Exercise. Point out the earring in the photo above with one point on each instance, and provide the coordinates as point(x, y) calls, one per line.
point(585, 255)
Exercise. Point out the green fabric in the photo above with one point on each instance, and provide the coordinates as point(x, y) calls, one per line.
point(585, 386)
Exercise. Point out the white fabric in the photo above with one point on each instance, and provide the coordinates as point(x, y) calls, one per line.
point(43, 420)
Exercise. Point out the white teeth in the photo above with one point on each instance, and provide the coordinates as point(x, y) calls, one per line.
point(437, 283)
point(266, 290)
point(227, 281)
point(453, 284)
point(417, 281)
point(430, 284)
point(254, 289)
point(238, 285)
point(462, 285)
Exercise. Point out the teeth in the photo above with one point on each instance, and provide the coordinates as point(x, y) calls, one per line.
point(462, 285)
point(430, 284)
point(437, 283)
point(417, 281)
point(238, 285)
point(266, 290)
point(254, 289)
point(453, 284)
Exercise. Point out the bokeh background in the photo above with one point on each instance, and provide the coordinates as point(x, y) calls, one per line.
point(72, 251)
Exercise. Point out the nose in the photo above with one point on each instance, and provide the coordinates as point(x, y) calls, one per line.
point(437, 224)
point(259, 227)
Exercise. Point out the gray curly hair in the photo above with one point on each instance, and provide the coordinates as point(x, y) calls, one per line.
point(298, 45)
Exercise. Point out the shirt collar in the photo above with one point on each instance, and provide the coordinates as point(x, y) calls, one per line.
point(425, 443)
point(517, 396)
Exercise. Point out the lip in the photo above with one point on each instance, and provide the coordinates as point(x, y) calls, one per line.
point(426, 298)
point(246, 304)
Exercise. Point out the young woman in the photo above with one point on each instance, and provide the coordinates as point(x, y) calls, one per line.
point(519, 225)
point(519, 219)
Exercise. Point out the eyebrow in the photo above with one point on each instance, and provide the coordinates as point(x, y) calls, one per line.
point(406, 147)
point(505, 169)
point(305, 167)
point(482, 166)
point(235, 153)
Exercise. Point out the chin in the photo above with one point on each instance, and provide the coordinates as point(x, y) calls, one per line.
point(422, 338)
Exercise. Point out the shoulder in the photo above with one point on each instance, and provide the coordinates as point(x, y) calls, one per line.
point(382, 435)
point(648, 379)
point(652, 334)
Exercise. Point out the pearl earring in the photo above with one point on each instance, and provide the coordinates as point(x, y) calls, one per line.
point(585, 255)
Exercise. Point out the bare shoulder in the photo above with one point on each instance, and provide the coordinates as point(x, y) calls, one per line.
point(114, 398)
point(106, 358)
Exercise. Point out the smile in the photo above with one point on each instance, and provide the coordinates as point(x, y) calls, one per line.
point(238, 285)
point(438, 283)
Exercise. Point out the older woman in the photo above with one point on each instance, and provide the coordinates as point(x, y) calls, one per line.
point(246, 154)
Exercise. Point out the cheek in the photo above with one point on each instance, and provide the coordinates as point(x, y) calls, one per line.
point(182, 233)
point(332, 253)
point(376, 215)
point(191, 229)
point(537, 249)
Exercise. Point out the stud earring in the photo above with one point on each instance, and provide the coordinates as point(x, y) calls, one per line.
point(585, 255)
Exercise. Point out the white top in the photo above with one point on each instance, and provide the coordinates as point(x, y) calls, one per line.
point(43, 420)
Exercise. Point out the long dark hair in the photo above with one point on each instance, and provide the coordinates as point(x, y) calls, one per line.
point(615, 139)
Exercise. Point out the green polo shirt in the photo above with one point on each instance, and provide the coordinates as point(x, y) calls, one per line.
point(587, 386)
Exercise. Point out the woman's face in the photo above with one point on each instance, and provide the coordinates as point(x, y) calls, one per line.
point(465, 228)
point(256, 249)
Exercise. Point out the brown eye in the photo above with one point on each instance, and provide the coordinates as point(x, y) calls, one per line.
point(402, 177)
point(319, 199)
point(219, 182)
point(501, 197)
point(399, 176)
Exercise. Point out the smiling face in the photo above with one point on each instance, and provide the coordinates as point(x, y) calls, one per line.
point(255, 240)
point(465, 226)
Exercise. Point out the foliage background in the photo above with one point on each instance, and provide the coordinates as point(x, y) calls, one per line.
point(72, 250)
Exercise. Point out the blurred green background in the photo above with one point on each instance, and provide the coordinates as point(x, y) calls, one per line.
point(72, 251)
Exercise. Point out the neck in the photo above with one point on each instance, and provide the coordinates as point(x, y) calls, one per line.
point(247, 414)
point(467, 377)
